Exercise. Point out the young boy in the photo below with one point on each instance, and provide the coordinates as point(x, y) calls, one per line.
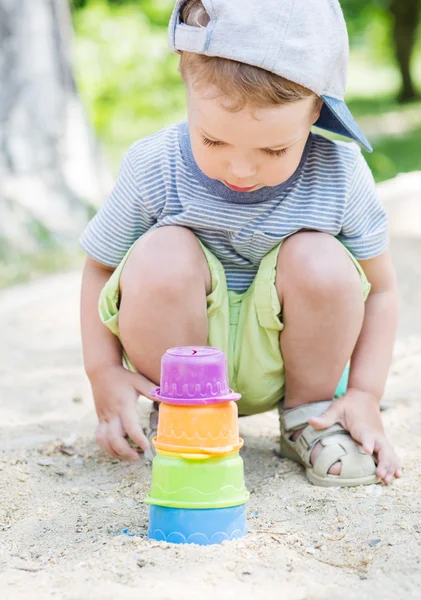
point(241, 229)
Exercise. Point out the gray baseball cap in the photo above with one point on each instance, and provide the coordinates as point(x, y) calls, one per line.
point(305, 41)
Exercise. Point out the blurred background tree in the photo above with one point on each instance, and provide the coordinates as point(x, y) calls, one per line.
point(403, 17)
point(50, 163)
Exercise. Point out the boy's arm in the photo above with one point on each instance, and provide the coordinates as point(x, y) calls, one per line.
point(358, 410)
point(115, 389)
point(373, 353)
point(101, 348)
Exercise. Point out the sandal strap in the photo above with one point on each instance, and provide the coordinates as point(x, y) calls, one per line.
point(355, 462)
point(296, 418)
point(310, 436)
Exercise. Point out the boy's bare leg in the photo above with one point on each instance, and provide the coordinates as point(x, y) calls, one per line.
point(322, 309)
point(163, 297)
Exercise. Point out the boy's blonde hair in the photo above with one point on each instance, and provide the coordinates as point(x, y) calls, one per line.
point(243, 84)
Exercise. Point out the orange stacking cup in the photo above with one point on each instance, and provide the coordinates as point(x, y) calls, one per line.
point(210, 429)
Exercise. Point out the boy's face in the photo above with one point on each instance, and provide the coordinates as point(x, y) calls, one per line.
point(250, 149)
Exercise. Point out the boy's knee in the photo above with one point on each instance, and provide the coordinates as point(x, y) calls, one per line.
point(165, 261)
point(316, 263)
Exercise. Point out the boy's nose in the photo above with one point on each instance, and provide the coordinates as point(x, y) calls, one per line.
point(242, 172)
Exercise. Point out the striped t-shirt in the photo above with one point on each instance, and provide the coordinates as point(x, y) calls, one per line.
point(160, 184)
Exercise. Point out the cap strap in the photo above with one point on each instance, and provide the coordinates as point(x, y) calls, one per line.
point(190, 39)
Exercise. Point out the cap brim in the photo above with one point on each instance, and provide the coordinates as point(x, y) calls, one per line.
point(336, 117)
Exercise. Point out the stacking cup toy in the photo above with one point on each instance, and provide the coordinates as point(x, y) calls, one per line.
point(198, 493)
point(213, 483)
point(206, 429)
point(194, 376)
point(203, 527)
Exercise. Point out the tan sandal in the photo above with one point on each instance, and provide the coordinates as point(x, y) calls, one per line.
point(358, 467)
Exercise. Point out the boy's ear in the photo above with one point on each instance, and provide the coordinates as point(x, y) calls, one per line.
point(317, 110)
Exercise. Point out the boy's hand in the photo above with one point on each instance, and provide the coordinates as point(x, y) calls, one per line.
point(358, 412)
point(115, 391)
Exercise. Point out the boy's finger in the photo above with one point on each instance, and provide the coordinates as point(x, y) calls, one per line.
point(368, 444)
point(118, 443)
point(381, 471)
point(102, 439)
point(132, 428)
point(142, 385)
point(385, 461)
point(328, 418)
point(389, 475)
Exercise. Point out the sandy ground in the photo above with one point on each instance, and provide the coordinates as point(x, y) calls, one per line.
point(64, 504)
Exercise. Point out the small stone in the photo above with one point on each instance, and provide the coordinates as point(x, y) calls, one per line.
point(311, 550)
point(149, 454)
point(141, 562)
point(70, 440)
point(45, 462)
point(74, 490)
point(22, 565)
point(374, 542)
point(362, 576)
point(374, 490)
point(68, 450)
point(129, 502)
point(77, 400)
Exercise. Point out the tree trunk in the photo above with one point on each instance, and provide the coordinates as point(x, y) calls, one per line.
point(51, 171)
point(406, 15)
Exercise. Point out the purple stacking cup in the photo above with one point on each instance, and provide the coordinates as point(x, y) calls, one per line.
point(193, 375)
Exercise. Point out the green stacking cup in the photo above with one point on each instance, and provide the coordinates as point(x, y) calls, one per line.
point(179, 482)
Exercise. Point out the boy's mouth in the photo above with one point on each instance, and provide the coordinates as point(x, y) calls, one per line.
point(239, 189)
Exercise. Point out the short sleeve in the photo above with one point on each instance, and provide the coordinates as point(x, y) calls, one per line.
point(364, 229)
point(120, 221)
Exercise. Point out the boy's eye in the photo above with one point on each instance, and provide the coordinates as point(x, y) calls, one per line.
point(214, 143)
point(211, 143)
point(275, 152)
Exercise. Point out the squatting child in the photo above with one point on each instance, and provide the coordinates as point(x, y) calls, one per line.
point(241, 228)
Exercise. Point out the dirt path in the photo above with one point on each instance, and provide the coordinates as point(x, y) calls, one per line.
point(64, 504)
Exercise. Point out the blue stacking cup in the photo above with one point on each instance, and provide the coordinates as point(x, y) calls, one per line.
point(197, 526)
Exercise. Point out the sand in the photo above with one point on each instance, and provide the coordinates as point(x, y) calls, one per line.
point(64, 504)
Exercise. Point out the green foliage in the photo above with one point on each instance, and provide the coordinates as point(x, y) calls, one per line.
point(125, 73)
point(157, 11)
point(20, 267)
point(396, 154)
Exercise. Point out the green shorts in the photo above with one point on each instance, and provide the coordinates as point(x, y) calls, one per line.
point(245, 326)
